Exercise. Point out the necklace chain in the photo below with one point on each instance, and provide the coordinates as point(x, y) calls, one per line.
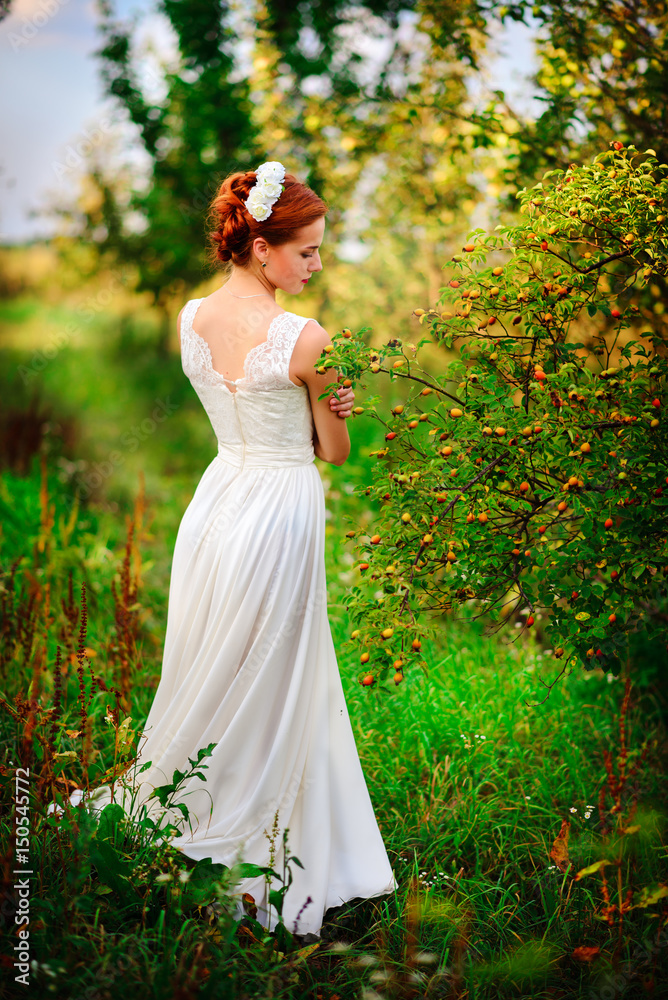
point(246, 296)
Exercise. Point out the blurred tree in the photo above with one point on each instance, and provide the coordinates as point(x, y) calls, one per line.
point(204, 118)
point(213, 118)
point(603, 75)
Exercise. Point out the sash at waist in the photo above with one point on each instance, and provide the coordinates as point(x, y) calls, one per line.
point(270, 458)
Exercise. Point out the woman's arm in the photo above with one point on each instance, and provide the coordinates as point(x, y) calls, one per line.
point(332, 442)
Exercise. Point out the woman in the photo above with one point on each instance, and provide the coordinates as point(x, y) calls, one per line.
point(249, 662)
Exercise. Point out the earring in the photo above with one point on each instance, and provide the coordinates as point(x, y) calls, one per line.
point(264, 265)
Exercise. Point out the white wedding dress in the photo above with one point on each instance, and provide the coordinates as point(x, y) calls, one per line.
point(249, 662)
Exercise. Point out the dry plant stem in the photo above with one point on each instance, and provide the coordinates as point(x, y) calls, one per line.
point(81, 656)
point(125, 602)
point(614, 913)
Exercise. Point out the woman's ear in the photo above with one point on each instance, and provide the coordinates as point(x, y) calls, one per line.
point(260, 247)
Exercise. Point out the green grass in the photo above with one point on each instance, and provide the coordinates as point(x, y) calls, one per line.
point(470, 776)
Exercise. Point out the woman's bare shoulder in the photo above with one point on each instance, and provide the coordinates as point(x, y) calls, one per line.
point(313, 333)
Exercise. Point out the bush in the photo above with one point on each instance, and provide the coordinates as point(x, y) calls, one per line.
point(530, 478)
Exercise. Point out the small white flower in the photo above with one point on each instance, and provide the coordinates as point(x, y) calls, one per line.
point(572, 809)
point(163, 877)
point(184, 876)
point(272, 169)
point(527, 797)
point(257, 207)
point(270, 190)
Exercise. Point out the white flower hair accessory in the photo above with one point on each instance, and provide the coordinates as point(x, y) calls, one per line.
point(266, 190)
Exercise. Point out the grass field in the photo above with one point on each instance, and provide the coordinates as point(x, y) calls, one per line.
point(472, 771)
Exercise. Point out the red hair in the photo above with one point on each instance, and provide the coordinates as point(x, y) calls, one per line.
point(233, 228)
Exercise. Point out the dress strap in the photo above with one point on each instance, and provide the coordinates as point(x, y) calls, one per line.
point(285, 333)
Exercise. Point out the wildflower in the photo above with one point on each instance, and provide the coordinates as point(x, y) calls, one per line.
point(339, 946)
point(527, 797)
point(364, 961)
point(572, 809)
point(426, 958)
point(164, 877)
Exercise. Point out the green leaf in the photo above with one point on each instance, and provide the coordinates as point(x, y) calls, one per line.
point(591, 869)
point(113, 870)
point(649, 897)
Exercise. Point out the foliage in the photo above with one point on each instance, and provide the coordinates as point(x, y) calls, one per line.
point(541, 490)
point(182, 136)
point(602, 73)
point(218, 116)
point(469, 786)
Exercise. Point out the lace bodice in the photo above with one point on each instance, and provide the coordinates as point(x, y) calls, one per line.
point(267, 420)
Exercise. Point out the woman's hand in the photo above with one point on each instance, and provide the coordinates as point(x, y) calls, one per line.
point(344, 405)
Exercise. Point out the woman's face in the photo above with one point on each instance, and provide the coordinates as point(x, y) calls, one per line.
point(291, 265)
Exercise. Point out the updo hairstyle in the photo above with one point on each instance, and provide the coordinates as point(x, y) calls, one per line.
point(232, 228)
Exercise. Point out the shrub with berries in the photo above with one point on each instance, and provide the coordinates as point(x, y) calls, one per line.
point(534, 467)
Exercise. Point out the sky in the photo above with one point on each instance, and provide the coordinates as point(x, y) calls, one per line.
point(57, 109)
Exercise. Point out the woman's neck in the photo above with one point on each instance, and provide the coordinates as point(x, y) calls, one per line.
point(244, 285)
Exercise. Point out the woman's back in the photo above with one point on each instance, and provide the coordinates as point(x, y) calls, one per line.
point(262, 417)
point(236, 358)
